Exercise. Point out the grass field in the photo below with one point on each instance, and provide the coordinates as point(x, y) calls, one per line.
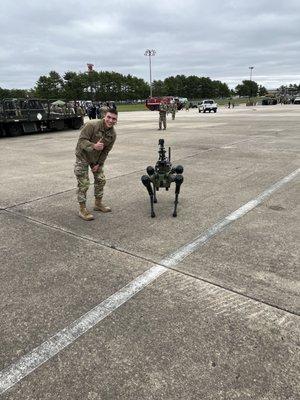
point(131, 107)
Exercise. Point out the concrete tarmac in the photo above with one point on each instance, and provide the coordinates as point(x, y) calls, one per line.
point(218, 323)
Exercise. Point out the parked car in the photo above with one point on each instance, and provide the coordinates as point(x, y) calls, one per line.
point(297, 100)
point(207, 105)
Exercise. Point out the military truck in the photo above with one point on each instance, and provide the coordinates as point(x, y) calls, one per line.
point(268, 101)
point(21, 116)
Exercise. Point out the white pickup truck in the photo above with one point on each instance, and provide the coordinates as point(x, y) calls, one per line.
point(207, 105)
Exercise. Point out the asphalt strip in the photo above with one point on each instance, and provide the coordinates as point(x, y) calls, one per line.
point(48, 349)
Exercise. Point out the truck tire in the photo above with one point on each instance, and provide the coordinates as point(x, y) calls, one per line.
point(14, 130)
point(77, 123)
point(2, 130)
point(215, 110)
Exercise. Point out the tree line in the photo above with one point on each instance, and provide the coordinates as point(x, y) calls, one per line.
point(289, 90)
point(192, 87)
point(105, 85)
point(93, 85)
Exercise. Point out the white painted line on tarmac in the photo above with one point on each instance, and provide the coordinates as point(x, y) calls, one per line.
point(48, 349)
point(186, 250)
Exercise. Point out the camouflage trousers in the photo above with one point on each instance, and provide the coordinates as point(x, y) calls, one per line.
point(162, 121)
point(81, 171)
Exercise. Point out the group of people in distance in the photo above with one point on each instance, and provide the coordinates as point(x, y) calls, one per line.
point(98, 110)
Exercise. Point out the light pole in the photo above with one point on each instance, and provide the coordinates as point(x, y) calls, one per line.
point(251, 69)
point(150, 53)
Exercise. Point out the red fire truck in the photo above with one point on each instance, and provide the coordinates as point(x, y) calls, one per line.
point(153, 102)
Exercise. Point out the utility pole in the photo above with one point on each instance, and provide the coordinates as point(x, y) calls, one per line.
point(251, 69)
point(90, 72)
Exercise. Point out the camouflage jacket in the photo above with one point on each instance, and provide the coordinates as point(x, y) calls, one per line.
point(163, 108)
point(91, 133)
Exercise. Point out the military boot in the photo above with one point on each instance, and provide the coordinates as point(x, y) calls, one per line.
point(84, 213)
point(99, 206)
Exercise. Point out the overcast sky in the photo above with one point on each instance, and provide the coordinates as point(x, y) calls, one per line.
point(215, 38)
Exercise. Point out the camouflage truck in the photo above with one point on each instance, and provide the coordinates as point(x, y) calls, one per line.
point(21, 116)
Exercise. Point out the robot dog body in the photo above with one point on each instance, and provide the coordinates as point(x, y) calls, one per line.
point(161, 176)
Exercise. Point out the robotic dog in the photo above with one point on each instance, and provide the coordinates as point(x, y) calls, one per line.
point(162, 176)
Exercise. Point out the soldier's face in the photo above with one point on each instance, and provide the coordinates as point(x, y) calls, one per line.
point(110, 119)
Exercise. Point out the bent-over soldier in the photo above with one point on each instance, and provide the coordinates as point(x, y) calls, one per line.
point(95, 142)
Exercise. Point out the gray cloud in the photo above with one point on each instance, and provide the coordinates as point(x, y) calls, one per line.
point(219, 39)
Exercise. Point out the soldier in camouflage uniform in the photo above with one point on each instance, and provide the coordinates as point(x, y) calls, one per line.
point(173, 109)
point(162, 116)
point(95, 142)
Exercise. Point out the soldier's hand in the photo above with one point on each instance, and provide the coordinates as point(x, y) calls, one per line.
point(98, 146)
point(95, 168)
